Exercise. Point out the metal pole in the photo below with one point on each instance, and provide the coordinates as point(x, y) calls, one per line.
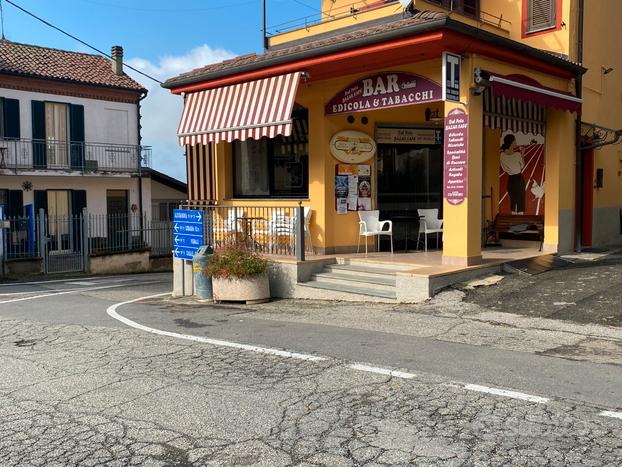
point(300, 233)
point(42, 237)
point(85, 240)
point(579, 154)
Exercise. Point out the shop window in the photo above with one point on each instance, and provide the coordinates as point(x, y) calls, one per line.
point(540, 15)
point(273, 168)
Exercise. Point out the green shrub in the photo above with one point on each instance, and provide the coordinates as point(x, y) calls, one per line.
point(236, 263)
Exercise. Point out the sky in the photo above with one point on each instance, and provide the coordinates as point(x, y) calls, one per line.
point(162, 38)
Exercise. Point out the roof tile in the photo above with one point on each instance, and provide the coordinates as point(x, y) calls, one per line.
point(47, 63)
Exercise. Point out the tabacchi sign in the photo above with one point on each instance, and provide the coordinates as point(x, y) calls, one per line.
point(384, 90)
point(456, 153)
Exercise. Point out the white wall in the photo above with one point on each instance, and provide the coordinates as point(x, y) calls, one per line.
point(95, 189)
point(104, 121)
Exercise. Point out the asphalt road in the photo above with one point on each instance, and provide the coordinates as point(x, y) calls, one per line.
point(369, 385)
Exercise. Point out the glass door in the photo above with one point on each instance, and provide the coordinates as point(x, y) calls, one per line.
point(410, 177)
point(59, 222)
point(57, 134)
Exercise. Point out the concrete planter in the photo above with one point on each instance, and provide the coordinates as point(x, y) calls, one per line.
point(250, 290)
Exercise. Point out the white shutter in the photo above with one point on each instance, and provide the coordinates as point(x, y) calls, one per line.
point(541, 15)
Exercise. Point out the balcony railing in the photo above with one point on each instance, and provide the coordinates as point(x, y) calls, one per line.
point(23, 155)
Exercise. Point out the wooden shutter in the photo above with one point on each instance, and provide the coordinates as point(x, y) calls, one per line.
point(76, 136)
point(10, 113)
point(78, 203)
point(39, 156)
point(41, 201)
point(541, 15)
point(15, 208)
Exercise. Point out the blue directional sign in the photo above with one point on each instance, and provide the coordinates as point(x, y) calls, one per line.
point(187, 232)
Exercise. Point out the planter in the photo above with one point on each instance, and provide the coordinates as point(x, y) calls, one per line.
point(254, 289)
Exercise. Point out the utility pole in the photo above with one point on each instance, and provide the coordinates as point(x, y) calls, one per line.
point(263, 29)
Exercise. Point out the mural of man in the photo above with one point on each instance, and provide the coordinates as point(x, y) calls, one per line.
point(513, 163)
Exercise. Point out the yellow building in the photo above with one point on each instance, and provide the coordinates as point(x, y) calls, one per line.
point(474, 108)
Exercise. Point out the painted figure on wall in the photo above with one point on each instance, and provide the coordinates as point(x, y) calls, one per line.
point(521, 183)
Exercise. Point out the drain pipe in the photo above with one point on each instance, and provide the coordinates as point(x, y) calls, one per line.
point(579, 154)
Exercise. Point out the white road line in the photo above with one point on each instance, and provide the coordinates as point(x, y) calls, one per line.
point(382, 371)
point(13, 284)
point(73, 291)
point(609, 413)
point(506, 393)
point(112, 312)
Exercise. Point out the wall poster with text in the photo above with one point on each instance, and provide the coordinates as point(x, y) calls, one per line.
point(521, 174)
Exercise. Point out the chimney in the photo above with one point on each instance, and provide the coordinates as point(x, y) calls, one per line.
point(117, 59)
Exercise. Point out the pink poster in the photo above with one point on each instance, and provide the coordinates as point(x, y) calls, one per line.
point(521, 174)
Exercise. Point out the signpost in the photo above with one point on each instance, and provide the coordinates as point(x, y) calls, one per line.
point(187, 232)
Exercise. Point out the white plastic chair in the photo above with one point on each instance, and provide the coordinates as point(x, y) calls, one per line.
point(370, 225)
point(231, 225)
point(429, 223)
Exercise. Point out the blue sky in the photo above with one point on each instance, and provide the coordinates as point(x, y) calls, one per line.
point(163, 38)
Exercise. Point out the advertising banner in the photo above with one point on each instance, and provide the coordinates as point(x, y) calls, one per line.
point(455, 157)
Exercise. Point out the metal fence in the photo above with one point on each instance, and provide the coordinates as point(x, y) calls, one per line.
point(65, 242)
point(26, 154)
point(273, 230)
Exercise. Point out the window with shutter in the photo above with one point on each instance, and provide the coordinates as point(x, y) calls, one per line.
point(541, 15)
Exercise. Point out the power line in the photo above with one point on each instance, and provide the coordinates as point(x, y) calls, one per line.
point(167, 10)
point(47, 23)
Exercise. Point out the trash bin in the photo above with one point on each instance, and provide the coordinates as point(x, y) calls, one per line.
point(202, 282)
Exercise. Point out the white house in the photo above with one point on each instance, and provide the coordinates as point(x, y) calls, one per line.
point(69, 133)
point(69, 141)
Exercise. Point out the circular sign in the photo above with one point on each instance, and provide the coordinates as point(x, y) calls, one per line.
point(352, 147)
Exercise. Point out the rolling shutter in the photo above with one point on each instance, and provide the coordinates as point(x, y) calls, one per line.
point(541, 15)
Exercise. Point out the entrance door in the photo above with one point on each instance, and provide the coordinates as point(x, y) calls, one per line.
point(60, 230)
point(410, 177)
point(57, 134)
point(117, 219)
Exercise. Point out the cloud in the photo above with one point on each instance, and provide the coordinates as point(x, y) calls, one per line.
point(161, 110)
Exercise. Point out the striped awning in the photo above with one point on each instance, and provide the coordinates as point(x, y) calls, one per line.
point(253, 109)
point(513, 114)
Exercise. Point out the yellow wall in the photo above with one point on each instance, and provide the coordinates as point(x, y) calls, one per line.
point(603, 92)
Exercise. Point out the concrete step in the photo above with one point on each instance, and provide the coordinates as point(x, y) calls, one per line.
point(380, 283)
point(351, 289)
point(366, 271)
point(375, 264)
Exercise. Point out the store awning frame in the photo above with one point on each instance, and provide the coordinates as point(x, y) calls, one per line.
point(513, 89)
point(252, 109)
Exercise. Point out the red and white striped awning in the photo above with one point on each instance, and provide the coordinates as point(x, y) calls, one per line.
point(253, 109)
